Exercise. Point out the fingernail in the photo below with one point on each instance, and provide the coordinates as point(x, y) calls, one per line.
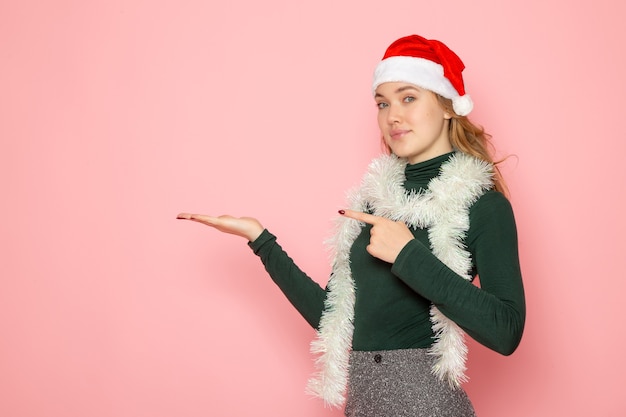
point(342, 212)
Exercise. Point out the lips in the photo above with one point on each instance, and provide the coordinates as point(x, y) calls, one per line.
point(398, 133)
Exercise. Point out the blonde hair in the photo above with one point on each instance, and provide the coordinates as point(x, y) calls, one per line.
point(471, 139)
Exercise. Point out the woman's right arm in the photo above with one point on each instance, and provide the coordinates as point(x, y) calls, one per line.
point(302, 292)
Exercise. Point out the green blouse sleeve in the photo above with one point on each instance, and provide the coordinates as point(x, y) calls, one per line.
point(493, 314)
point(302, 292)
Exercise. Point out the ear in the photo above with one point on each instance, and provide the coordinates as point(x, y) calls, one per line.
point(447, 115)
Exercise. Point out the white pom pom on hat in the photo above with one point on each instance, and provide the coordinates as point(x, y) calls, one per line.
point(428, 64)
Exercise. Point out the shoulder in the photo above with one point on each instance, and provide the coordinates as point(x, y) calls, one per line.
point(491, 202)
point(491, 216)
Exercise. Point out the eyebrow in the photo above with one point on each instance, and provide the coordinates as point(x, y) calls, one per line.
point(400, 90)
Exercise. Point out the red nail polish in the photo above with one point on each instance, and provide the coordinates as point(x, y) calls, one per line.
point(342, 212)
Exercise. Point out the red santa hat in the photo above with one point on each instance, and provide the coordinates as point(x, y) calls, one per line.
point(427, 64)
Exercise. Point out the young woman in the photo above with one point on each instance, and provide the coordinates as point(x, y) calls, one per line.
point(426, 220)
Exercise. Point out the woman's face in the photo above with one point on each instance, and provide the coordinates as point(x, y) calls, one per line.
point(412, 122)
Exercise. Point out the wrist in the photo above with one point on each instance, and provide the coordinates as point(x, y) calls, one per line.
point(254, 234)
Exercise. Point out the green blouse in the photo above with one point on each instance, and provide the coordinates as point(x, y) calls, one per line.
point(392, 308)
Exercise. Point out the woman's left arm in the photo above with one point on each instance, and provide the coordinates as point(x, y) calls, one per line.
point(493, 314)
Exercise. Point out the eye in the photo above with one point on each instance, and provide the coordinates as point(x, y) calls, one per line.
point(381, 105)
point(409, 99)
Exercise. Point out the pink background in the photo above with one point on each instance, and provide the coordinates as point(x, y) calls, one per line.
point(116, 115)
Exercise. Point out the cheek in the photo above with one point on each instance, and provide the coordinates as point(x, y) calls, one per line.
point(381, 121)
point(433, 119)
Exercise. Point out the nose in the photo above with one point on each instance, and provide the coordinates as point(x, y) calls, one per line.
point(394, 114)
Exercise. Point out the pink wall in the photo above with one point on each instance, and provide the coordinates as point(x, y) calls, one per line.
point(116, 115)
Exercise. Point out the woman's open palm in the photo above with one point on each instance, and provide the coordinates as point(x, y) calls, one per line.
point(247, 227)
